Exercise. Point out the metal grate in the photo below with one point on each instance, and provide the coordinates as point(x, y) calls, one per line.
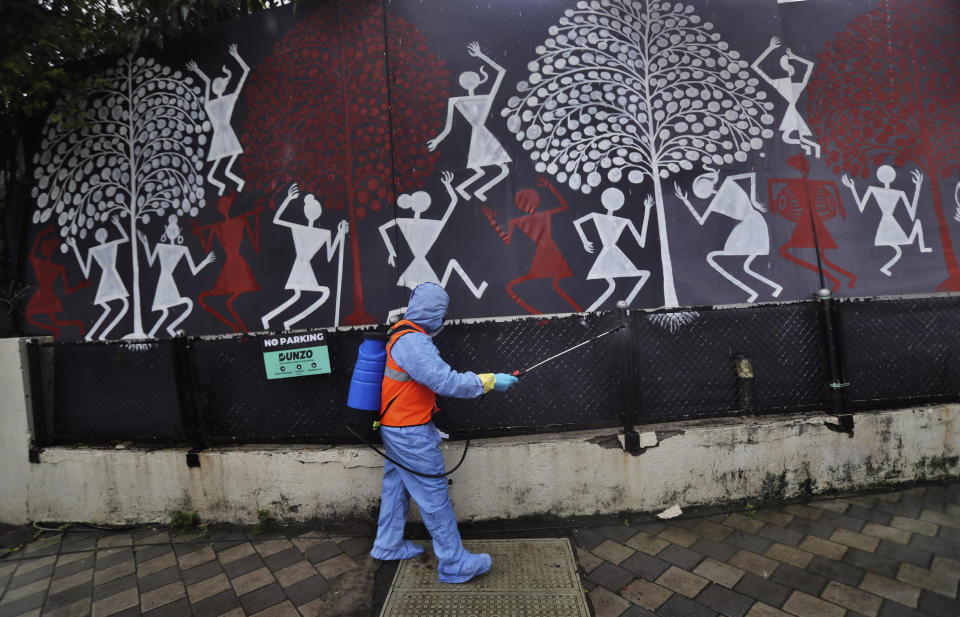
point(528, 577)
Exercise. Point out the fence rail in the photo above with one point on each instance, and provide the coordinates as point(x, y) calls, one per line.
point(820, 354)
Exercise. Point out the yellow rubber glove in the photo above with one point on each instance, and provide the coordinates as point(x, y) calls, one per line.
point(489, 380)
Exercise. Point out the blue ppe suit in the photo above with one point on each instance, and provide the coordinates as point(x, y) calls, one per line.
point(417, 447)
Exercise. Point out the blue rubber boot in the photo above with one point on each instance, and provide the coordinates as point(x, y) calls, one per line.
point(406, 550)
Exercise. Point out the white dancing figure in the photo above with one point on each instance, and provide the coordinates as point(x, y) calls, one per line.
point(611, 262)
point(749, 237)
point(307, 241)
point(485, 149)
point(420, 235)
point(792, 123)
point(956, 198)
point(224, 143)
point(170, 250)
point(889, 231)
point(111, 286)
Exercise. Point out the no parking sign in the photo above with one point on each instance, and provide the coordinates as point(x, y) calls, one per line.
point(296, 355)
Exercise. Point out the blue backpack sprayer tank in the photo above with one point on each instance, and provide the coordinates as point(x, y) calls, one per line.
point(363, 399)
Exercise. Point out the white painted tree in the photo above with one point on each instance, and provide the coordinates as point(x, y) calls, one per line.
point(135, 153)
point(633, 90)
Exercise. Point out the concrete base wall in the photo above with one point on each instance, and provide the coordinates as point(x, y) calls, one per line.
point(688, 463)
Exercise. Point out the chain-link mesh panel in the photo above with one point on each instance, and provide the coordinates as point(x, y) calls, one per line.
point(239, 403)
point(689, 372)
point(111, 392)
point(897, 350)
point(579, 389)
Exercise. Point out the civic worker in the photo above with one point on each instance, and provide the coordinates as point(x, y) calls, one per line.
point(414, 376)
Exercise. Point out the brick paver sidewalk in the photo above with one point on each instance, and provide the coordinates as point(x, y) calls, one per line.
point(877, 555)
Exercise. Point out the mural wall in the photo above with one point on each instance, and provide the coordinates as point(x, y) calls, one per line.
point(308, 166)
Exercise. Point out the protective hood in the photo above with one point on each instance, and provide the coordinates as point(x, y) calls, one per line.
point(427, 306)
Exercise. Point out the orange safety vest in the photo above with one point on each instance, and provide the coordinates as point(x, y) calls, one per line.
point(403, 401)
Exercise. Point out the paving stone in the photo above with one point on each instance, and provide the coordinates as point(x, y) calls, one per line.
point(79, 608)
point(904, 593)
point(863, 501)
point(803, 511)
point(789, 555)
point(216, 605)
point(948, 566)
point(842, 521)
point(638, 611)
point(334, 567)
point(797, 578)
point(111, 557)
point(869, 514)
point(284, 609)
point(586, 538)
point(646, 594)
point(773, 516)
point(679, 536)
point(195, 558)
point(60, 585)
point(115, 603)
point(611, 551)
point(114, 572)
point(241, 566)
point(201, 573)
point(681, 581)
point(643, 541)
point(607, 604)
point(644, 565)
point(852, 598)
point(678, 606)
point(766, 591)
point(856, 540)
point(161, 596)
point(610, 576)
point(724, 601)
point(68, 597)
point(285, 558)
point(826, 548)
point(21, 606)
point(720, 551)
point(764, 610)
point(883, 532)
point(951, 534)
point(683, 557)
point(915, 526)
point(28, 566)
point(159, 579)
point(355, 547)
point(711, 530)
point(719, 572)
point(937, 605)
point(302, 570)
point(115, 539)
point(143, 554)
point(895, 609)
point(751, 562)
point(805, 605)
point(879, 564)
point(262, 598)
point(307, 590)
point(252, 581)
point(909, 554)
point(835, 570)
point(177, 608)
point(743, 523)
point(833, 505)
point(932, 516)
point(937, 582)
point(935, 545)
point(157, 564)
point(813, 528)
point(749, 542)
point(617, 533)
point(236, 552)
point(781, 535)
point(269, 547)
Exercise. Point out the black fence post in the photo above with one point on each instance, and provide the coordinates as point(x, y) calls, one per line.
point(185, 376)
point(629, 392)
point(831, 341)
point(38, 408)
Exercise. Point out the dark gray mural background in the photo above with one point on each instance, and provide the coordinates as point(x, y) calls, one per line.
point(342, 99)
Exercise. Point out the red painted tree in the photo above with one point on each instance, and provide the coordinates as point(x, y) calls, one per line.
point(319, 115)
point(887, 90)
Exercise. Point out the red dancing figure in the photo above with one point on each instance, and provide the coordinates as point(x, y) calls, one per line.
point(802, 201)
point(548, 263)
point(236, 277)
point(45, 301)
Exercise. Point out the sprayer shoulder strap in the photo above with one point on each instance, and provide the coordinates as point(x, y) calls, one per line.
point(392, 335)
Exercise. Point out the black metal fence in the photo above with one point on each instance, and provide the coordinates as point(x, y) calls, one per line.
point(814, 355)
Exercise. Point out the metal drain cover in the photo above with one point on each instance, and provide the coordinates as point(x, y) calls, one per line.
point(529, 578)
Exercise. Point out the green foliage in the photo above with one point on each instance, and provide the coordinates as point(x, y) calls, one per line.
point(264, 518)
point(750, 509)
point(184, 519)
